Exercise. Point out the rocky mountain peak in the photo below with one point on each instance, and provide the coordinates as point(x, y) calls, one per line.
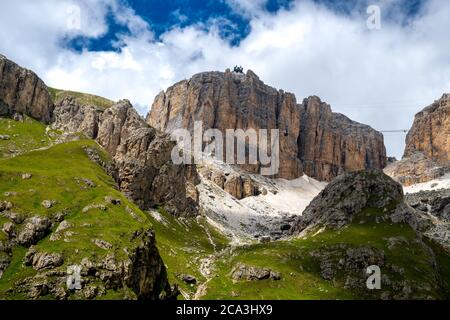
point(23, 92)
point(315, 141)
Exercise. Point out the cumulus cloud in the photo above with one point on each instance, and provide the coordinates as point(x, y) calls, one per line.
point(379, 77)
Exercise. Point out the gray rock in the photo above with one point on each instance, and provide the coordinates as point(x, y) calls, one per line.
point(42, 260)
point(22, 92)
point(17, 218)
point(48, 203)
point(34, 230)
point(113, 201)
point(251, 273)
point(101, 207)
point(5, 205)
point(60, 230)
point(9, 229)
point(346, 196)
point(102, 244)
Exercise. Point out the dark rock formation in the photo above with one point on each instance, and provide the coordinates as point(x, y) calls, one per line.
point(22, 92)
point(313, 140)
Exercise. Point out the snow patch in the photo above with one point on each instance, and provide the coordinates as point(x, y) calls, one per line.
point(270, 214)
point(439, 183)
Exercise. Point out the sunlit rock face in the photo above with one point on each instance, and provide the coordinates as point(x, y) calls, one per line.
point(313, 139)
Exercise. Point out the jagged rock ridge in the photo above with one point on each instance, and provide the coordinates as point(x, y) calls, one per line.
point(313, 140)
point(142, 155)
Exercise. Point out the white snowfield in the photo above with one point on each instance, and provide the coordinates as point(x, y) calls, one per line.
point(436, 184)
point(265, 215)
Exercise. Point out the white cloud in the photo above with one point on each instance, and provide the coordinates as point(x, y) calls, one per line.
point(380, 77)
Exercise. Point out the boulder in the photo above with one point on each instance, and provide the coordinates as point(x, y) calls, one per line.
point(34, 230)
point(244, 272)
point(43, 260)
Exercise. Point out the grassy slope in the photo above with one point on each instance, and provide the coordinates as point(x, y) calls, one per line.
point(301, 273)
point(24, 136)
point(184, 243)
point(82, 98)
point(53, 178)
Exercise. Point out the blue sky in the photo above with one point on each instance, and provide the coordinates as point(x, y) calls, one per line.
point(134, 49)
point(163, 15)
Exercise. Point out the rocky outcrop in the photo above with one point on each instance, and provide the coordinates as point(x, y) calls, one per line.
point(313, 139)
point(349, 194)
point(239, 184)
point(243, 272)
point(346, 196)
point(35, 229)
point(142, 164)
point(427, 151)
point(132, 266)
point(435, 202)
point(141, 270)
point(72, 117)
point(416, 168)
point(22, 92)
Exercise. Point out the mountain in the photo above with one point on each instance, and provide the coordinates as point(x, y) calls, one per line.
point(313, 139)
point(59, 208)
point(427, 151)
point(87, 184)
point(142, 156)
point(22, 91)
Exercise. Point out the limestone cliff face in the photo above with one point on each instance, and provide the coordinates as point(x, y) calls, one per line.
point(430, 133)
point(330, 143)
point(142, 154)
point(427, 151)
point(21, 91)
point(313, 140)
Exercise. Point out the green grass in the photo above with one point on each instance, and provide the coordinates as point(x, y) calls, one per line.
point(183, 243)
point(24, 136)
point(301, 277)
point(82, 98)
point(54, 172)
